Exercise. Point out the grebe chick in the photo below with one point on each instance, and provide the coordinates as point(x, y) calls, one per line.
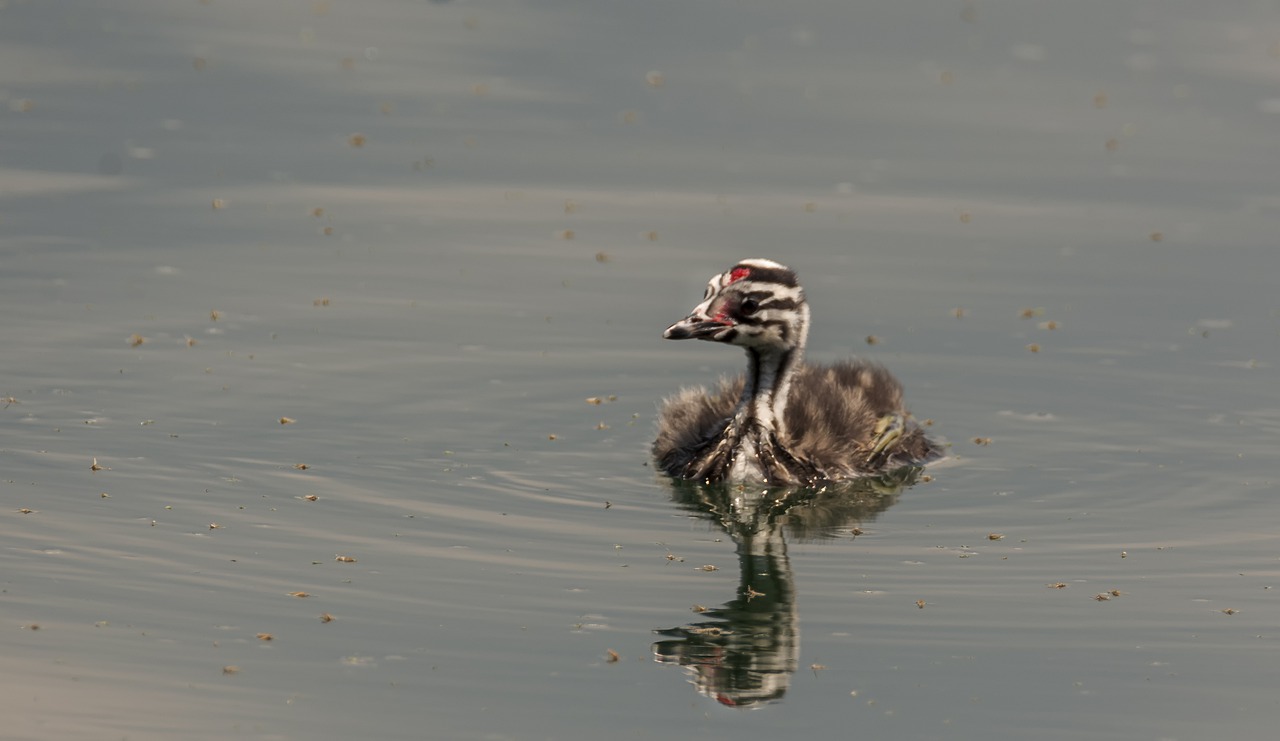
point(784, 422)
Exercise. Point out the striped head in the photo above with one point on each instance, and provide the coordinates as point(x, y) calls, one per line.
point(755, 304)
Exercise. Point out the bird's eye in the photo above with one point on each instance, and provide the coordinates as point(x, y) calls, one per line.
point(748, 306)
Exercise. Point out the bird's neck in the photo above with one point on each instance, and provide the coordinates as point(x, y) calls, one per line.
point(768, 381)
point(768, 384)
point(770, 369)
point(757, 433)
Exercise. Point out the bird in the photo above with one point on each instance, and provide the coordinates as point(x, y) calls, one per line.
point(784, 422)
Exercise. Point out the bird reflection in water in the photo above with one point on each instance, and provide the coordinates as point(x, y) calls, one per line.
point(744, 652)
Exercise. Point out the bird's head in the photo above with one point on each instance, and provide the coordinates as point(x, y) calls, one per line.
point(755, 304)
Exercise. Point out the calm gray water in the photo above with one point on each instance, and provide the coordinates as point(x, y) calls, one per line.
point(427, 233)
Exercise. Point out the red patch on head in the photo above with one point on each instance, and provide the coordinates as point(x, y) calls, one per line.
point(738, 274)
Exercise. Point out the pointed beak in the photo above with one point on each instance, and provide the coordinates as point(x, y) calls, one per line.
point(695, 327)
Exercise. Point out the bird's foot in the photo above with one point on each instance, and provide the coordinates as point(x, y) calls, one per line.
point(889, 429)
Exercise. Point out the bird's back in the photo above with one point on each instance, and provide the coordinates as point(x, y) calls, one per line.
point(833, 415)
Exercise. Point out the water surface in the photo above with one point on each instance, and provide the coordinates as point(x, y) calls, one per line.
point(312, 298)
